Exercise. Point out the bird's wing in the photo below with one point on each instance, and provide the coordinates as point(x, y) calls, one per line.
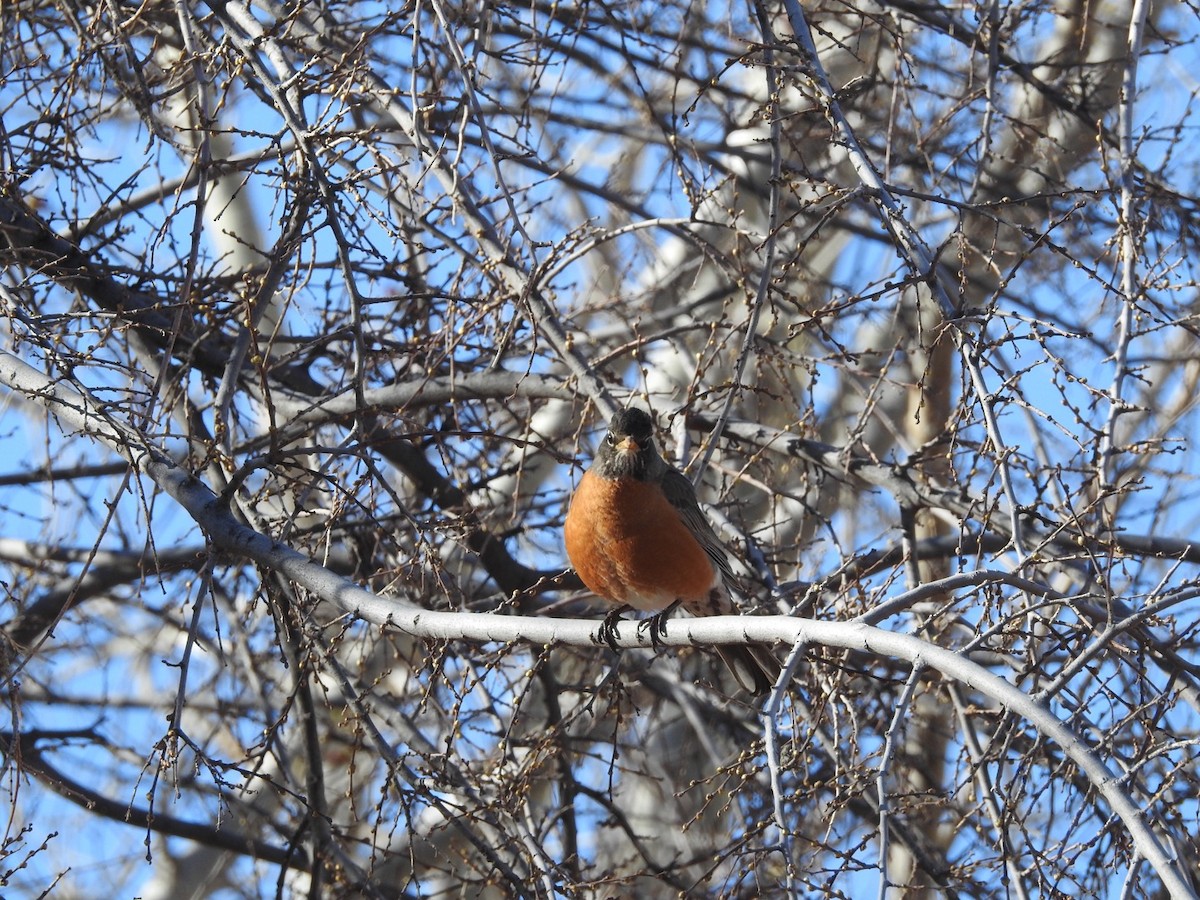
point(681, 495)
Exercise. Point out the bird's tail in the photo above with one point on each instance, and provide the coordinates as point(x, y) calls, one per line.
point(753, 666)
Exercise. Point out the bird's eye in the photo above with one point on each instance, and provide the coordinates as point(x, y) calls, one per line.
point(610, 438)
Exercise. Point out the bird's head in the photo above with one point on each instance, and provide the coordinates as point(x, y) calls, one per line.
point(628, 450)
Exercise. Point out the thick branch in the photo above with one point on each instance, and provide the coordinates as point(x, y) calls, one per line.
point(215, 519)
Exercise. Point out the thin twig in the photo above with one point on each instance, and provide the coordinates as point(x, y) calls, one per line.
point(1130, 248)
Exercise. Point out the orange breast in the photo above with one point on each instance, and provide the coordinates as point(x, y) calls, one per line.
point(629, 545)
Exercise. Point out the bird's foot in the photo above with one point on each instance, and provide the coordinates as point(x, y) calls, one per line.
point(608, 628)
point(657, 624)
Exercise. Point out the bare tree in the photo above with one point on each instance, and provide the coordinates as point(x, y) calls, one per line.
point(313, 314)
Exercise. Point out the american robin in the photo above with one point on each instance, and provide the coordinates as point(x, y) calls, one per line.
point(637, 537)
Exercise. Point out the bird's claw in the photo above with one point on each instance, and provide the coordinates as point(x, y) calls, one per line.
point(657, 625)
point(608, 627)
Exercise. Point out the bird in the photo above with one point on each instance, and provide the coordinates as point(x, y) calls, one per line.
point(637, 537)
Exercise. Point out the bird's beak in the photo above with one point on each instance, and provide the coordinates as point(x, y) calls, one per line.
point(628, 445)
